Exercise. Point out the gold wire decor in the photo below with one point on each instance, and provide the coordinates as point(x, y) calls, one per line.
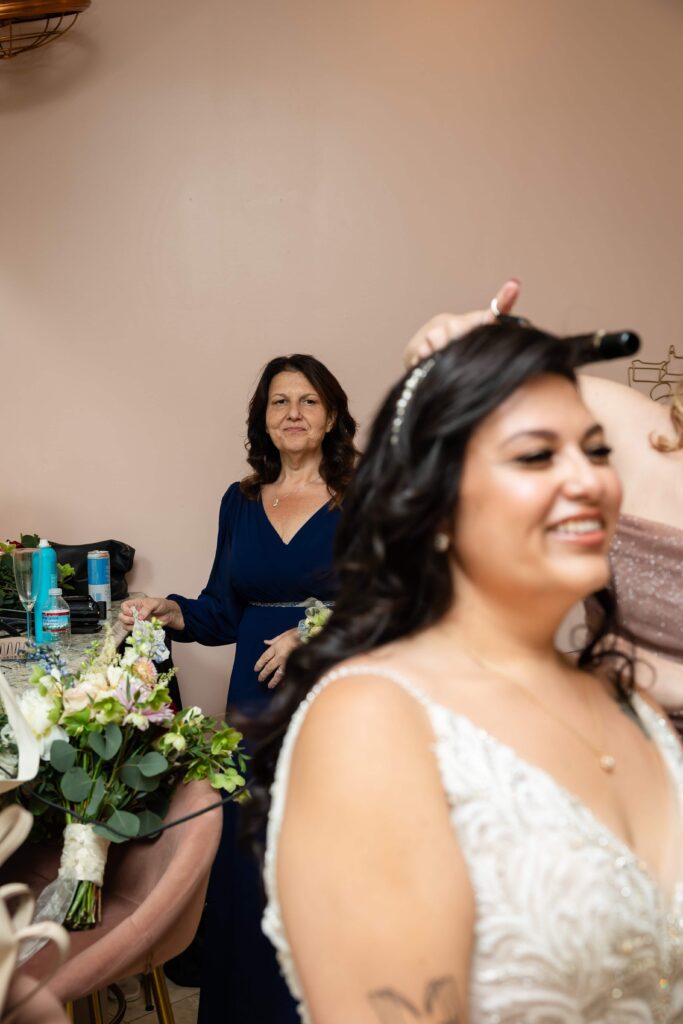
point(28, 24)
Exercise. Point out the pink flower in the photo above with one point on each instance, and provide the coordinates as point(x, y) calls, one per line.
point(161, 715)
point(133, 694)
point(145, 669)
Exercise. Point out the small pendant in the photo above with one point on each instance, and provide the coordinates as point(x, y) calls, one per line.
point(276, 503)
point(607, 762)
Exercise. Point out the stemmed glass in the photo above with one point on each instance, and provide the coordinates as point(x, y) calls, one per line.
point(27, 584)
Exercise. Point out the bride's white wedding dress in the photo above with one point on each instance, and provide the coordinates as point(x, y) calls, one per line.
point(571, 927)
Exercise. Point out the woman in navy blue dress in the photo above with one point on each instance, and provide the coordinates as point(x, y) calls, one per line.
point(274, 552)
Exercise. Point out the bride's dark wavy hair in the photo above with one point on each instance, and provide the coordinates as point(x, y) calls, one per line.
point(339, 453)
point(393, 581)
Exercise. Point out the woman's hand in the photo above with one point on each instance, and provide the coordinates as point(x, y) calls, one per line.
point(272, 662)
point(167, 612)
point(446, 327)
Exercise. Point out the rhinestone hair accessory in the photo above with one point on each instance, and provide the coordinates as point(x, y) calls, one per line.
point(418, 374)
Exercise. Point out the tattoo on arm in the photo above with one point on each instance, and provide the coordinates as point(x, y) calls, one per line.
point(439, 1004)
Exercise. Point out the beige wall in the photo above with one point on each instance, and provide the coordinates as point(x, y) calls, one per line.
point(191, 188)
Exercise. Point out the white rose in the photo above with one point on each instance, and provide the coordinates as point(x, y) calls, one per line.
point(93, 682)
point(75, 699)
point(90, 688)
point(37, 709)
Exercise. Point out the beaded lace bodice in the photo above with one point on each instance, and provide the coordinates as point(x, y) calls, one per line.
point(570, 927)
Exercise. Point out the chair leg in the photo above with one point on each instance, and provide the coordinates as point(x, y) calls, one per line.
point(147, 992)
point(95, 1008)
point(115, 992)
point(164, 1008)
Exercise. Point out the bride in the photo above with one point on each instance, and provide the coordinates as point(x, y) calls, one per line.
point(465, 826)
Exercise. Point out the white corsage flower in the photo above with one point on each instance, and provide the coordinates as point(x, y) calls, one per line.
point(147, 639)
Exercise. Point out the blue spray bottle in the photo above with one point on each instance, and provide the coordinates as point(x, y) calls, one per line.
point(47, 578)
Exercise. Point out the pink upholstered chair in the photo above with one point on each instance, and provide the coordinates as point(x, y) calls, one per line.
point(152, 901)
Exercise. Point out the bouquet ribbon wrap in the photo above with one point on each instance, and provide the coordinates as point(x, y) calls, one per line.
point(84, 855)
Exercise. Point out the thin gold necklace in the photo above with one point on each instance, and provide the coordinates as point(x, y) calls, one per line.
point(276, 501)
point(606, 761)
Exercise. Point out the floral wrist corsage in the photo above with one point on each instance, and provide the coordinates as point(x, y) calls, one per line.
point(317, 615)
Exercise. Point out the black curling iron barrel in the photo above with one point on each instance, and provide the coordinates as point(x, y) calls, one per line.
point(594, 348)
point(589, 348)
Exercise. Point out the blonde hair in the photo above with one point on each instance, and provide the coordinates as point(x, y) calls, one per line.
point(666, 444)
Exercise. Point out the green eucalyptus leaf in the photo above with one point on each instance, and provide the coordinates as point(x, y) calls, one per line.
point(153, 764)
point(75, 785)
point(37, 807)
point(107, 743)
point(96, 796)
point(150, 823)
point(125, 823)
point(134, 779)
point(62, 756)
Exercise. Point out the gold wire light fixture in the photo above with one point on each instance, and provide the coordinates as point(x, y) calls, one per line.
point(28, 24)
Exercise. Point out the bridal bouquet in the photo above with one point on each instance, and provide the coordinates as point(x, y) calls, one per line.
point(113, 747)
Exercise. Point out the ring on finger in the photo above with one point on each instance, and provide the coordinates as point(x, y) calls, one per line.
point(494, 307)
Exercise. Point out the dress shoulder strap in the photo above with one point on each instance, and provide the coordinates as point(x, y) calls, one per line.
point(383, 673)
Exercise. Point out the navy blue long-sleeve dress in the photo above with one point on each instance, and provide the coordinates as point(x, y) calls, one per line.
point(257, 589)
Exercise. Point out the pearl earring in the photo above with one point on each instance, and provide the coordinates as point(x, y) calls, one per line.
point(442, 542)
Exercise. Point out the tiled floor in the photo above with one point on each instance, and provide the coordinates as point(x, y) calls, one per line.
point(185, 1003)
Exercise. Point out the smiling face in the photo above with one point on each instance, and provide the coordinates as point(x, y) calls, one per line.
point(538, 499)
point(296, 418)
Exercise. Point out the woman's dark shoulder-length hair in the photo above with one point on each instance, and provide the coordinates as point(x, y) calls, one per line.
point(393, 581)
point(339, 453)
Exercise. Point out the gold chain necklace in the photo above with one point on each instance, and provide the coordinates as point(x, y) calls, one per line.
point(606, 761)
point(275, 502)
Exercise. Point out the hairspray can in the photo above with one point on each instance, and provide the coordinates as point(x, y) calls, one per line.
point(99, 578)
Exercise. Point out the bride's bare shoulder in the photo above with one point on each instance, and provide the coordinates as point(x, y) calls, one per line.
point(361, 721)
